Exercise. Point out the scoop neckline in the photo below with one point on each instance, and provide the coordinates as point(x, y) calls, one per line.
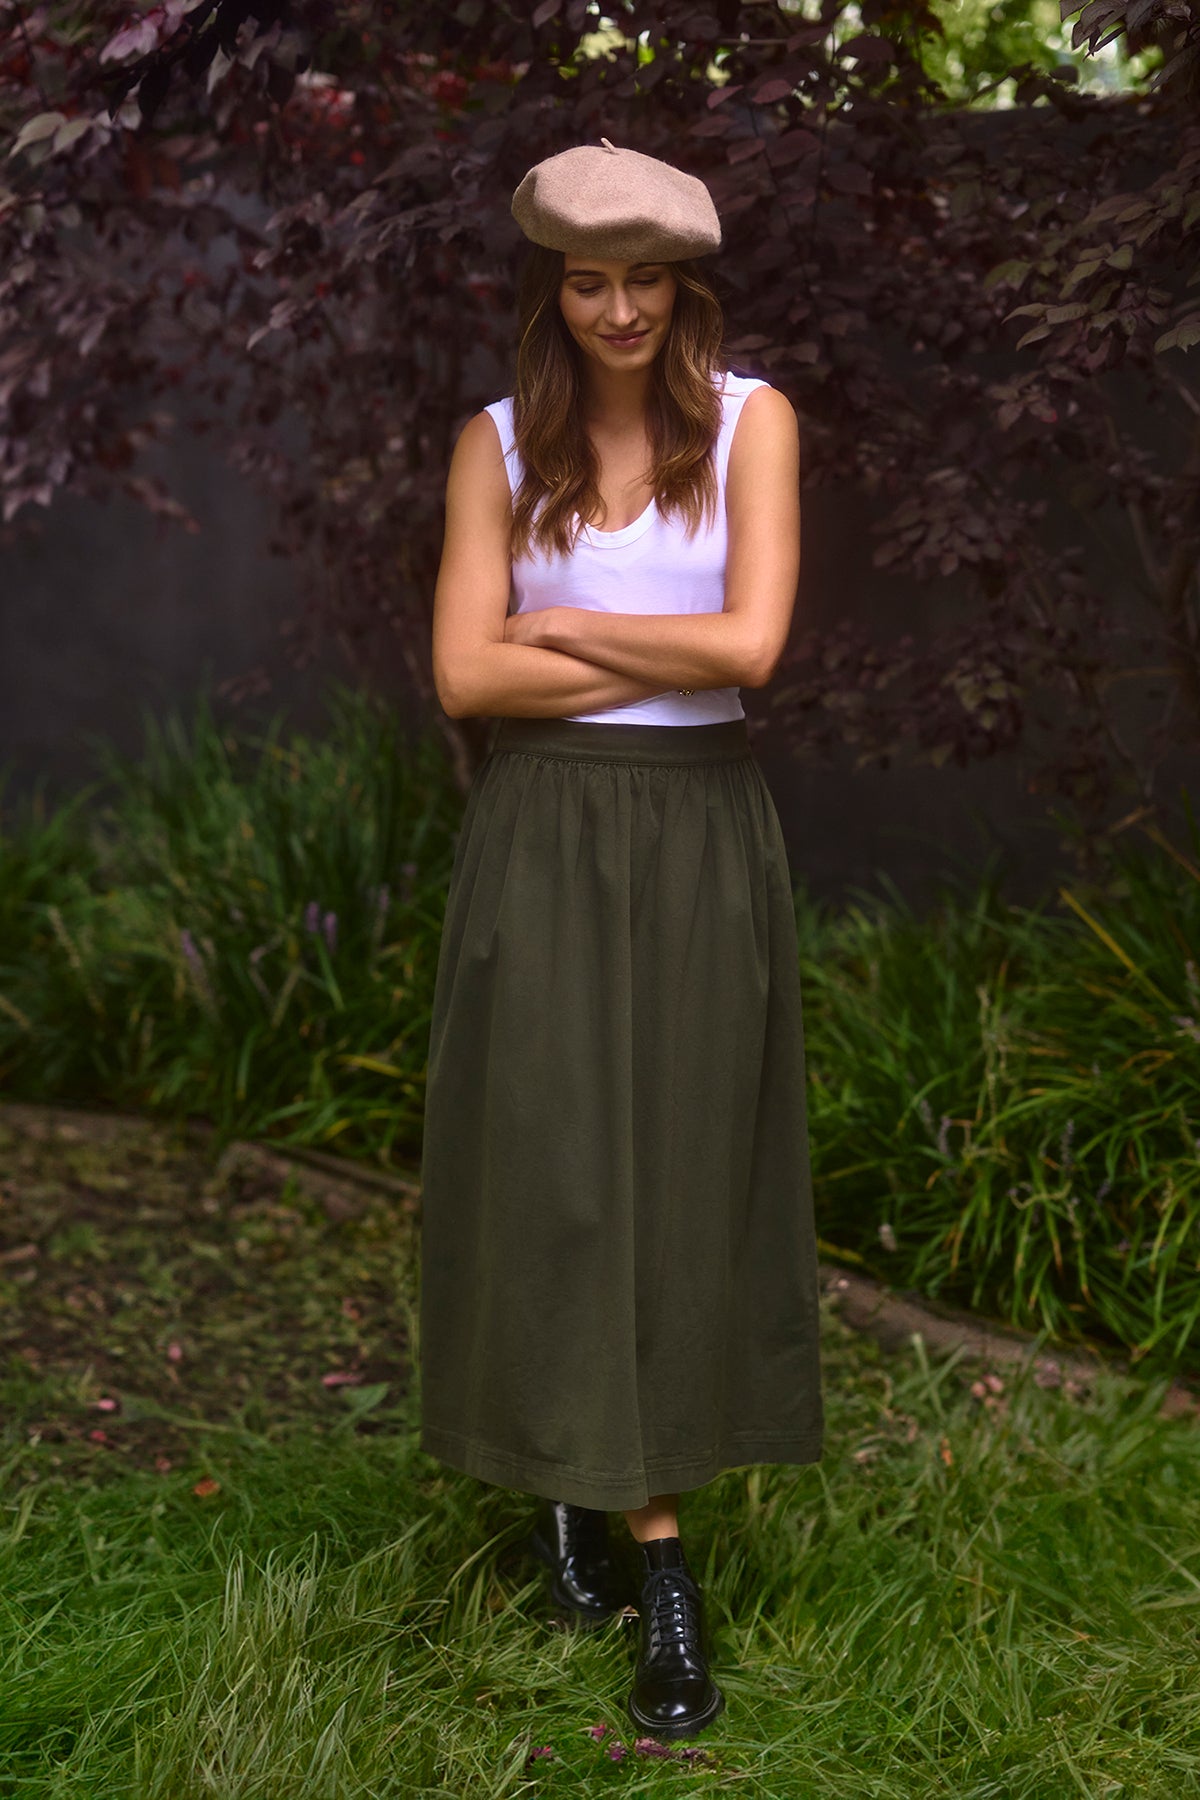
point(627, 533)
point(604, 540)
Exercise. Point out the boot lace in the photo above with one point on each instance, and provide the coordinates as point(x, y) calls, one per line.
point(671, 1600)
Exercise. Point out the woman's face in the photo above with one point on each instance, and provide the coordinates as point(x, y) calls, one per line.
point(604, 302)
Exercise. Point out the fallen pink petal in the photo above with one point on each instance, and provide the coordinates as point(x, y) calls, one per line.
point(340, 1378)
point(648, 1746)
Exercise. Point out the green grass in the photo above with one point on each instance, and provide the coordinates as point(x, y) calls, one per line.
point(964, 1598)
point(1003, 1100)
point(222, 1577)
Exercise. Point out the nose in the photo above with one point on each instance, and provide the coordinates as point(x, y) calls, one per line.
point(623, 315)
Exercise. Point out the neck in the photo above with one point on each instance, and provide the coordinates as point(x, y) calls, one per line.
point(614, 401)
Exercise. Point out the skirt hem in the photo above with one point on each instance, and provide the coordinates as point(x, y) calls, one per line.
point(614, 1492)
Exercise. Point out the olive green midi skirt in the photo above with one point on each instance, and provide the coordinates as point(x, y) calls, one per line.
point(618, 1292)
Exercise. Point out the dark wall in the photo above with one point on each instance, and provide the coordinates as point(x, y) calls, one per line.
point(109, 613)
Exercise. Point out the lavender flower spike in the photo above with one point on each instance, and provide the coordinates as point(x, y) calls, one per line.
point(196, 964)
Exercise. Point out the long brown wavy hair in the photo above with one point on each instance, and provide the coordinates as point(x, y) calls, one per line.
point(683, 410)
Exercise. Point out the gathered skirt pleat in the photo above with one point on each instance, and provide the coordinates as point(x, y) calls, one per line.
point(618, 1282)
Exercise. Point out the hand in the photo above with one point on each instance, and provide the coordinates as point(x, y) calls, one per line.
point(523, 628)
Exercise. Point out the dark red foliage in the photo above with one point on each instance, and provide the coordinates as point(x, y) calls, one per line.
point(947, 296)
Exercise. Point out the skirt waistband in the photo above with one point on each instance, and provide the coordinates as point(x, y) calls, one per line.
point(598, 740)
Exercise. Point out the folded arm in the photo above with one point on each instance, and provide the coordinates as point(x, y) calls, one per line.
point(741, 645)
point(689, 650)
point(523, 682)
point(476, 672)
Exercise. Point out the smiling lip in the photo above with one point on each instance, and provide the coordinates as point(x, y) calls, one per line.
point(634, 337)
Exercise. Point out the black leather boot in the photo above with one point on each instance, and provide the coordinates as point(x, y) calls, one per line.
point(673, 1695)
point(573, 1543)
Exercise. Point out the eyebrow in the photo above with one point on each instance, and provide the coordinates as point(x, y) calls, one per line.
point(600, 273)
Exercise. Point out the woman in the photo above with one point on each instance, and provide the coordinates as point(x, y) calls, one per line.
point(619, 1277)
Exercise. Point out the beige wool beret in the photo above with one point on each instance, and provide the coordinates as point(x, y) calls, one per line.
point(596, 200)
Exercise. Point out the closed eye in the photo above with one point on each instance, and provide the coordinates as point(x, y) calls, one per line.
point(650, 281)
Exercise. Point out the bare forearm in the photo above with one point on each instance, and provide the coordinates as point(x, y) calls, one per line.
point(675, 650)
point(527, 681)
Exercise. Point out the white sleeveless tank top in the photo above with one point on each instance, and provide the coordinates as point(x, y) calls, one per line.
point(648, 567)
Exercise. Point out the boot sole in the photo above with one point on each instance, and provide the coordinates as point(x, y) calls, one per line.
point(681, 1728)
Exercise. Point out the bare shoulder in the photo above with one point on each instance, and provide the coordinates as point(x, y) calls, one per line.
point(770, 411)
point(477, 484)
point(478, 445)
point(766, 438)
